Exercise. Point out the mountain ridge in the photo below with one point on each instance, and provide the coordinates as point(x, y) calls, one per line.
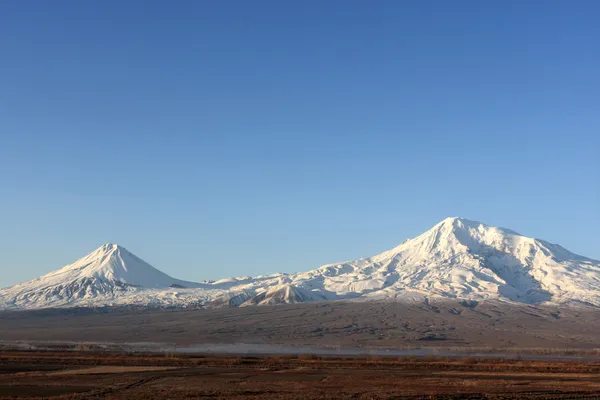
point(457, 259)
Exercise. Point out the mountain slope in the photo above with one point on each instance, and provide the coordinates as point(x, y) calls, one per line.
point(457, 259)
point(109, 271)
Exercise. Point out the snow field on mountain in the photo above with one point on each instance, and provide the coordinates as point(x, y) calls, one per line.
point(457, 258)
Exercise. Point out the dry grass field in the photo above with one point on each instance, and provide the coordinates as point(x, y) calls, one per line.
point(88, 375)
point(68, 368)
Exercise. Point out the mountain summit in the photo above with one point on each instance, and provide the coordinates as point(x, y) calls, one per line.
point(107, 272)
point(457, 259)
point(113, 263)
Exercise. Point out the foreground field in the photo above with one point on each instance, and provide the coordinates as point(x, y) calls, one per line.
point(86, 375)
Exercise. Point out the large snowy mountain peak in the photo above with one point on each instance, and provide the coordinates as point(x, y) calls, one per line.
point(456, 258)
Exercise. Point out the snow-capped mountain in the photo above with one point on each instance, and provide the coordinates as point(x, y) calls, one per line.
point(457, 258)
point(109, 271)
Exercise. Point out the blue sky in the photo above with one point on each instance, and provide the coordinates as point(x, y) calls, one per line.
point(218, 138)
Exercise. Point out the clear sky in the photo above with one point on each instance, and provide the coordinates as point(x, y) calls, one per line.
point(219, 138)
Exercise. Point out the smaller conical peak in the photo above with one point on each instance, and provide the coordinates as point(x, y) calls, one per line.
point(102, 254)
point(108, 248)
point(106, 252)
point(111, 262)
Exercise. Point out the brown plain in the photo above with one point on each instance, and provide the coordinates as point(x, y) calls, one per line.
point(362, 325)
point(87, 375)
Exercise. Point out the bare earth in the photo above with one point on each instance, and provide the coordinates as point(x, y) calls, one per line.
point(124, 376)
point(109, 369)
point(343, 324)
point(498, 327)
